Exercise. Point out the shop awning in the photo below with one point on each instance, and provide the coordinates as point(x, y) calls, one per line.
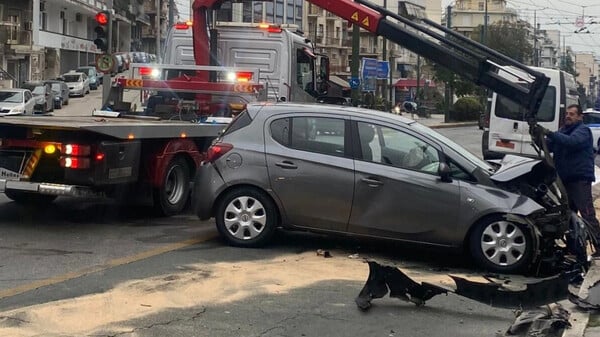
point(406, 83)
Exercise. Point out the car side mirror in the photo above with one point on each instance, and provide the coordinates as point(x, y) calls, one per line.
point(445, 172)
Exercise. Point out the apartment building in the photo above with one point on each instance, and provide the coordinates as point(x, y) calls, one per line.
point(41, 39)
point(549, 49)
point(468, 14)
point(587, 69)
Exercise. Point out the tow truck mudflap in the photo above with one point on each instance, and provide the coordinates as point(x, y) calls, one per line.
point(47, 188)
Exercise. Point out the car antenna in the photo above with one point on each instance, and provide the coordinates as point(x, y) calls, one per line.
point(274, 91)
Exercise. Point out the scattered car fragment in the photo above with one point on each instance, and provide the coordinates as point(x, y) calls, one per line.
point(591, 302)
point(546, 321)
point(381, 278)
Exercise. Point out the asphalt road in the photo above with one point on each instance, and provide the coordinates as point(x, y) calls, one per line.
point(93, 268)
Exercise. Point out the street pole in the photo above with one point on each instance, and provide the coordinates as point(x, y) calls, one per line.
point(157, 20)
point(106, 79)
point(171, 12)
point(354, 67)
point(384, 57)
point(447, 90)
point(418, 80)
point(485, 22)
point(535, 53)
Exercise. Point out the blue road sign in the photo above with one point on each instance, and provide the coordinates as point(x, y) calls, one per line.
point(354, 82)
point(369, 74)
point(383, 69)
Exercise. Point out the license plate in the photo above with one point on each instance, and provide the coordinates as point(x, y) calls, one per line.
point(11, 164)
point(507, 144)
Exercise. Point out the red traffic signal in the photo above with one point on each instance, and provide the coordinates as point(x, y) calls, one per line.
point(102, 18)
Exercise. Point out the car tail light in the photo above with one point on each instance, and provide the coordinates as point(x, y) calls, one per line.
point(217, 150)
point(243, 76)
point(145, 71)
point(74, 162)
point(77, 150)
point(183, 25)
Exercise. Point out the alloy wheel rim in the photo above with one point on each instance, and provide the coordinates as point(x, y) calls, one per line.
point(245, 218)
point(503, 243)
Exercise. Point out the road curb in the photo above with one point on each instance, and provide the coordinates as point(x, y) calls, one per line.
point(579, 319)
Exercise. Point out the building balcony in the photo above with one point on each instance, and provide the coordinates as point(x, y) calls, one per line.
point(331, 16)
point(314, 11)
point(14, 35)
point(368, 51)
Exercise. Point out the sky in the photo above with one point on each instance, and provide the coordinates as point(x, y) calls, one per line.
point(562, 15)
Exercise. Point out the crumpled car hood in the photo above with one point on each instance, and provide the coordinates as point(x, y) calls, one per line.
point(514, 166)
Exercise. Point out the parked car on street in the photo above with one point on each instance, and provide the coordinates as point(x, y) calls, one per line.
point(353, 171)
point(43, 95)
point(93, 76)
point(16, 102)
point(79, 84)
point(61, 93)
point(591, 118)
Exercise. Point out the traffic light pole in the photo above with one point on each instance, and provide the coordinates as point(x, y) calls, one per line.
point(106, 78)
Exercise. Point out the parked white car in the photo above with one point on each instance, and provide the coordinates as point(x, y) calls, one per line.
point(591, 118)
point(79, 83)
point(16, 102)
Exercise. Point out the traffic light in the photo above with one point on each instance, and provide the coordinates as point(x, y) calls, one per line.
point(103, 20)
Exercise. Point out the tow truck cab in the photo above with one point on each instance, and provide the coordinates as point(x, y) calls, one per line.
point(288, 67)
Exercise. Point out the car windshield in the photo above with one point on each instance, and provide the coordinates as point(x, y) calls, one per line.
point(88, 71)
point(39, 90)
point(72, 78)
point(591, 119)
point(11, 96)
point(459, 149)
point(56, 87)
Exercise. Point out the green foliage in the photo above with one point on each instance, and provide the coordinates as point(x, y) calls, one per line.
point(466, 109)
point(508, 38)
point(568, 65)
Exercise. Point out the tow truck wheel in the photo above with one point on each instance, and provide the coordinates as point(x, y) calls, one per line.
point(25, 198)
point(172, 196)
point(246, 217)
point(501, 246)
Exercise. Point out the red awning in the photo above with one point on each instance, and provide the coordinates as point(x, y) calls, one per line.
point(405, 83)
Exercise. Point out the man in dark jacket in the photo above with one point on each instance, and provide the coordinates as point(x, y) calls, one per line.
point(573, 150)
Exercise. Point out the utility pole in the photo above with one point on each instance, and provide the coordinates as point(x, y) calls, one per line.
point(535, 51)
point(106, 80)
point(157, 23)
point(384, 57)
point(171, 12)
point(448, 90)
point(485, 22)
point(354, 67)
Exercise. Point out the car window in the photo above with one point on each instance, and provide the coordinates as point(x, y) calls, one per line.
point(28, 96)
point(505, 108)
point(384, 145)
point(591, 118)
point(11, 97)
point(39, 90)
point(313, 134)
point(72, 78)
point(56, 87)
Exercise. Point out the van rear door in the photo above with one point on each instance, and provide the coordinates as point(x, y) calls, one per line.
point(509, 130)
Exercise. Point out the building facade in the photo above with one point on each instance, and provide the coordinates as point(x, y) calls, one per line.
point(469, 14)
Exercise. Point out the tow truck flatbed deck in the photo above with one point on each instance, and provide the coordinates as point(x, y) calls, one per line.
point(118, 127)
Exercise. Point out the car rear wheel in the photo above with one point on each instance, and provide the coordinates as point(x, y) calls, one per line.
point(246, 217)
point(501, 246)
point(172, 196)
point(25, 198)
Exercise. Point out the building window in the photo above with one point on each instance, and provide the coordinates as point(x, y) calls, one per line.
point(481, 6)
point(320, 31)
point(44, 20)
point(279, 11)
point(289, 15)
point(258, 12)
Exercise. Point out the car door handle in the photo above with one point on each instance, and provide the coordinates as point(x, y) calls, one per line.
point(373, 182)
point(286, 165)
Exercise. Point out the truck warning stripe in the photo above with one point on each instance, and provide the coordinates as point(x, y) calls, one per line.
point(34, 159)
point(134, 83)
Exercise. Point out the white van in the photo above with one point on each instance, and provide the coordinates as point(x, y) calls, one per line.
point(508, 131)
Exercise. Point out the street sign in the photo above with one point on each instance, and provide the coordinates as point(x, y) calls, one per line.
point(383, 70)
point(354, 82)
point(369, 74)
point(104, 63)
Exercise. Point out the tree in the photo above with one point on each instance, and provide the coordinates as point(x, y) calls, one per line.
point(508, 38)
point(568, 65)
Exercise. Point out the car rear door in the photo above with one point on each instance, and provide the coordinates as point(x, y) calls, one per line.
point(29, 102)
point(397, 191)
point(310, 169)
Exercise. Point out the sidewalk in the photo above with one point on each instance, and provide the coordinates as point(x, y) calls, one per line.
point(436, 121)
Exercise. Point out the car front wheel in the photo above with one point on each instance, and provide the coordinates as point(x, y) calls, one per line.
point(501, 246)
point(246, 217)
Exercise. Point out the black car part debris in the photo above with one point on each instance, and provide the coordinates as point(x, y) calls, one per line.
point(549, 290)
point(591, 302)
point(381, 278)
point(546, 321)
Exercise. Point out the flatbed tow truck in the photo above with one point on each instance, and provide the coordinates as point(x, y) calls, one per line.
point(122, 154)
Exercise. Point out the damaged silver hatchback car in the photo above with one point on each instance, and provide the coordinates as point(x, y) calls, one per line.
point(346, 170)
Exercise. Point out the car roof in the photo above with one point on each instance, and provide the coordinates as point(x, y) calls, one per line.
point(273, 108)
point(34, 83)
point(73, 73)
point(14, 90)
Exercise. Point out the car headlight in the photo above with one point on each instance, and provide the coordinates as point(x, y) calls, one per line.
point(17, 109)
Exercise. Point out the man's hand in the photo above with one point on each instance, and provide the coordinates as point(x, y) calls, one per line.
point(540, 130)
